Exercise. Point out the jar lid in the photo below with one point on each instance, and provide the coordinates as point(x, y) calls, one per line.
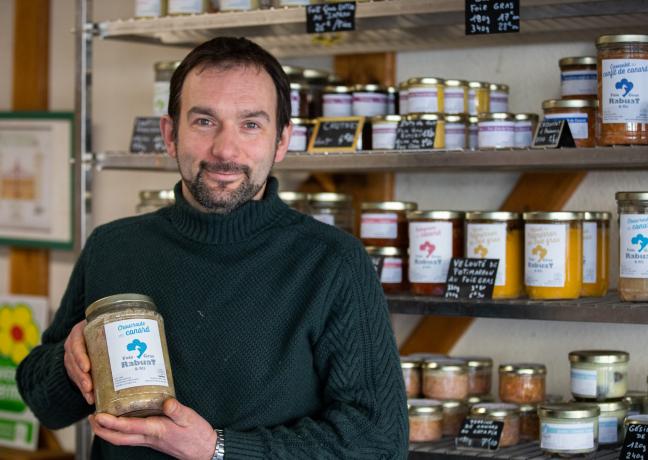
point(524, 368)
point(302, 121)
point(634, 397)
point(293, 71)
point(611, 406)
point(370, 88)
point(157, 195)
point(629, 38)
point(498, 87)
point(389, 206)
point(639, 419)
point(580, 60)
point(446, 364)
point(473, 119)
point(329, 197)
point(384, 251)
point(106, 304)
point(424, 407)
point(528, 408)
point(438, 215)
point(403, 86)
point(596, 215)
point(478, 399)
point(425, 81)
point(562, 216)
point(407, 362)
point(450, 404)
point(426, 116)
point(292, 197)
point(341, 89)
point(166, 65)
point(495, 409)
point(599, 356)
point(492, 215)
point(316, 75)
point(392, 89)
point(478, 84)
point(631, 196)
point(496, 116)
point(570, 410)
point(456, 118)
point(526, 117)
point(569, 103)
point(298, 86)
point(476, 361)
point(383, 118)
point(456, 83)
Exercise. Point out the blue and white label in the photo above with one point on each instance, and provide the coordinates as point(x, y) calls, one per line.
point(608, 430)
point(624, 97)
point(578, 83)
point(148, 8)
point(577, 123)
point(567, 436)
point(135, 353)
point(633, 241)
point(583, 382)
point(185, 6)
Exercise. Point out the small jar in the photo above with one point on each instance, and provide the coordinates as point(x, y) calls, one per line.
point(391, 265)
point(499, 98)
point(568, 428)
point(580, 115)
point(596, 253)
point(522, 383)
point(337, 101)
point(622, 72)
point(478, 399)
point(296, 200)
point(333, 209)
point(507, 413)
point(295, 74)
point(425, 420)
point(150, 8)
point(553, 257)
point(127, 347)
point(392, 100)
point(383, 131)
point(633, 254)
point(302, 129)
point(610, 421)
point(411, 369)
point(298, 100)
point(435, 238)
point(403, 97)
point(152, 200)
point(498, 235)
point(599, 374)
point(186, 7)
point(634, 400)
point(454, 413)
point(478, 97)
point(456, 132)
point(238, 5)
point(455, 96)
point(496, 130)
point(384, 223)
point(578, 77)
point(369, 100)
point(445, 379)
point(425, 95)
point(525, 127)
point(480, 374)
point(316, 81)
point(439, 118)
point(529, 422)
point(473, 132)
point(163, 72)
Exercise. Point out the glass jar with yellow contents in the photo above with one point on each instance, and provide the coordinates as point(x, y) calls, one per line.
point(478, 97)
point(553, 260)
point(498, 235)
point(596, 253)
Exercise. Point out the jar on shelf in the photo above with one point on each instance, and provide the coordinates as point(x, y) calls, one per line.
point(578, 77)
point(337, 101)
point(237, 5)
point(599, 374)
point(498, 97)
point(525, 127)
point(445, 378)
point(383, 131)
point(391, 265)
point(295, 74)
point(150, 8)
point(473, 132)
point(292, 3)
point(439, 118)
point(333, 209)
point(633, 238)
point(411, 369)
point(403, 97)
point(553, 256)
point(522, 383)
point(568, 428)
point(369, 100)
point(634, 400)
point(316, 81)
point(498, 235)
point(186, 7)
point(478, 97)
point(623, 88)
point(425, 95)
point(580, 115)
point(392, 100)
point(425, 420)
point(610, 421)
point(455, 96)
point(435, 237)
point(496, 130)
point(480, 374)
point(384, 223)
point(302, 130)
point(152, 200)
point(529, 422)
point(456, 131)
point(299, 100)
point(163, 72)
point(596, 253)
point(509, 414)
point(296, 200)
point(454, 413)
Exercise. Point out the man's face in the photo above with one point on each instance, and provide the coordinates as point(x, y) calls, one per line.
point(227, 136)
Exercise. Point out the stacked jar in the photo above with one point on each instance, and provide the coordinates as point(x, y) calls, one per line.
point(568, 429)
point(333, 209)
point(509, 414)
point(633, 244)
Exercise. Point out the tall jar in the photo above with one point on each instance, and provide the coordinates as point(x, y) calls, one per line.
point(478, 97)
point(435, 237)
point(502, 412)
point(296, 200)
point(455, 96)
point(384, 223)
point(578, 77)
point(411, 369)
point(633, 245)
point(152, 200)
point(480, 374)
point(130, 366)
point(439, 118)
point(525, 127)
point(611, 418)
point(163, 72)
point(553, 260)
point(596, 253)
point(499, 98)
point(369, 100)
point(522, 383)
point(599, 374)
point(568, 429)
point(623, 88)
point(425, 95)
point(496, 130)
point(333, 209)
point(337, 101)
point(425, 420)
point(456, 132)
point(445, 378)
point(498, 235)
point(391, 265)
point(580, 115)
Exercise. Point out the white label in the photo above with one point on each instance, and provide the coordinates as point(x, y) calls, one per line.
point(498, 101)
point(624, 97)
point(523, 133)
point(326, 218)
point(337, 105)
point(369, 104)
point(608, 430)
point(423, 100)
point(392, 271)
point(577, 123)
point(488, 241)
point(563, 436)
point(454, 100)
point(148, 8)
point(589, 252)
point(455, 136)
point(294, 104)
point(430, 251)
point(383, 135)
point(185, 6)
point(578, 83)
point(235, 5)
point(402, 102)
point(473, 136)
point(298, 139)
point(160, 98)
point(376, 225)
point(496, 134)
point(633, 239)
point(545, 247)
point(583, 382)
point(135, 353)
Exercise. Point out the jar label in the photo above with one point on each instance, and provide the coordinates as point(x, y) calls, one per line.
point(402, 102)
point(377, 225)
point(544, 256)
point(454, 100)
point(589, 252)
point(430, 251)
point(583, 382)
point(383, 135)
point(392, 271)
point(578, 123)
point(498, 101)
point(135, 353)
point(496, 134)
point(608, 430)
point(624, 97)
point(326, 218)
point(423, 100)
point(488, 241)
point(578, 83)
point(523, 133)
point(148, 8)
point(473, 137)
point(369, 104)
point(455, 136)
point(337, 105)
point(633, 238)
point(567, 436)
point(235, 5)
point(298, 139)
point(185, 6)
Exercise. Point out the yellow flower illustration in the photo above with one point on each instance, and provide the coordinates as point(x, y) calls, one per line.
point(18, 333)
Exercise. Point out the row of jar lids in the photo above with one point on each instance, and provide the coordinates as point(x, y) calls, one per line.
point(447, 117)
point(415, 82)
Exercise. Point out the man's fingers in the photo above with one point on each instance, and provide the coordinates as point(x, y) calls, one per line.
point(114, 436)
point(181, 415)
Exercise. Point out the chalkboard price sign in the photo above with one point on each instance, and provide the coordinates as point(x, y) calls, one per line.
point(635, 444)
point(479, 434)
point(330, 17)
point(147, 137)
point(415, 134)
point(553, 134)
point(492, 17)
point(336, 134)
point(471, 278)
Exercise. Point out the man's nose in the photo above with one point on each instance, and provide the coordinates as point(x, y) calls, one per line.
point(226, 142)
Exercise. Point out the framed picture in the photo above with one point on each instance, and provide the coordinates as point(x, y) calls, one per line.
point(37, 179)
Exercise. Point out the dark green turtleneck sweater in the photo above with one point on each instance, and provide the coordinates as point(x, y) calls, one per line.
point(277, 327)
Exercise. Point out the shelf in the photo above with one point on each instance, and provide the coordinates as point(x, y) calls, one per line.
point(389, 25)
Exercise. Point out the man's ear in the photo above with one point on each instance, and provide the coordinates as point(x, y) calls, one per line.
point(284, 142)
point(166, 128)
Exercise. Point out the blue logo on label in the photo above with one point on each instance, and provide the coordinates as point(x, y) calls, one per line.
point(641, 240)
point(625, 85)
point(137, 345)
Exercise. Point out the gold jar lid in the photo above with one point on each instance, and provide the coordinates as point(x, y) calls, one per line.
point(560, 216)
point(453, 404)
point(456, 118)
point(438, 215)
point(473, 119)
point(456, 83)
point(496, 410)
point(370, 88)
point(569, 104)
point(392, 89)
point(118, 301)
point(403, 86)
point(526, 117)
point(478, 399)
point(384, 251)
point(293, 197)
point(527, 409)
point(292, 71)
point(634, 397)
point(329, 197)
point(425, 116)
point(316, 76)
point(422, 82)
point(157, 195)
point(496, 116)
point(302, 121)
point(386, 118)
point(477, 362)
point(424, 407)
point(599, 356)
point(611, 406)
point(339, 89)
point(570, 410)
point(580, 60)
point(523, 368)
point(639, 419)
point(166, 65)
point(626, 38)
point(407, 362)
point(596, 215)
point(492, 215)
point(499, 87)
point(478, 84)
point(446, 365)
point(298, 86)
point(631, 196)
point(389, 206)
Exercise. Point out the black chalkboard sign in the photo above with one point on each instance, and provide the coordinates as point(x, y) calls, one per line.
point(635, 444)
point(415, 134)
point(553, 134)
point(471, 278)
point(147, 137)
point(492, 17)
point(330, 17)
point(336, 134)
point(479, 434)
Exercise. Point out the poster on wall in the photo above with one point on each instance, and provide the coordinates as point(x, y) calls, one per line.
point(22, 320)
point(36, 179)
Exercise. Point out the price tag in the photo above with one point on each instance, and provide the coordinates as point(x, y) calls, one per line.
point(471, 278)
point(635, 443)
point(330, 17)
point(553, 134)
point(336, 134)
point(479, 434)
point(147, 137)
point(485, 17)
point(415, 134)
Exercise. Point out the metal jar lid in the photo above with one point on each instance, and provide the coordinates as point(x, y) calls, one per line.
point(571, 410)
point(473, 119)
point(456, 83)
point(293, 72)
point(329, 197)
point(118, 301)
point(426, 116)
point(446, 365)
point(496, 116)
point(478, 84)
point(611, 406)
point(392, 90)
point(435, 215)
point(298, 86)
point(370, 88)
point(526, 117)
point(339, 89)
point(499, 87)
point(454, 404)
point(523, 368)
point(302, 121)
point(569, 104)
point(316, 76)
point(492, 215)
point(293, 197)
point(580, 60)
point(389, 206)
point(407, 362)
point(528, 409)
point(403, 86)
point(424, 407)
point(425, 81)
point(628, 38)
point(495, 410)
point(386, 119)
point(596, 215)
point(599, 356)
point(631, 196)
point(157, 196)
point(560, 216)
point(477, 362)
point(461, 118)
point(479, 399)
point(166, 65)
point(639, 419)
point(388, 251)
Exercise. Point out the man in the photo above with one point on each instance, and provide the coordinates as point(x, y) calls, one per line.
point(278, 331)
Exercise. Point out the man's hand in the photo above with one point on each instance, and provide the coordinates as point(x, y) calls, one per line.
point(77, 361)
point(182, 433)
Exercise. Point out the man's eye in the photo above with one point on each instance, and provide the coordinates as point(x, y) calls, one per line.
point(203, 122)
point(251, 125)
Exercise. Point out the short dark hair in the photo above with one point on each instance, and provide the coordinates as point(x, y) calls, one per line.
point(227, 52)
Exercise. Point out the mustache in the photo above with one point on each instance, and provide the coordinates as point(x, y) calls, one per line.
point(225, 167)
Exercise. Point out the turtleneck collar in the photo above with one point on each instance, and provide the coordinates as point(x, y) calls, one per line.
point(239, 225)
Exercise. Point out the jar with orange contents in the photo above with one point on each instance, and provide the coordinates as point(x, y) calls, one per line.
point(391, 266)
point(596, 253)
point(384, 223)
point(522, 383)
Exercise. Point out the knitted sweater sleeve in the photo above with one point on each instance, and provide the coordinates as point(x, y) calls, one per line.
point(364, 412)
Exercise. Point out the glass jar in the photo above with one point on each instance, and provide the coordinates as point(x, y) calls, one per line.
point(439, 118)
point(473, 132)
point(425, 95)
point(553, 256)
point(295, 74)
point(150, 8)
point(369, 100)
point(522, 383)
point(163, 72)
point(129, 358)
point(185, 7)
point(580, 115)
point(496, 130)
point(599, 374)
point(478, 399)
point(152, 200)
point(435, 238)
point(596, 253)
point(568, 428)
point(445, 379)
point(425, 420)
point(291, 3)
point(525, 127)
point(498, 235)
point(634, 399)
point(499, 98)
point(529, 422)
point(411, 369)
point(316, 81)
point(633, 252)
point(298, 100)
point(302, 129)
point(384, 223)
point(333, 209)
point(622, 89)
point(383, 131)
point(337, 101)
point(456, 132)
point(454, 413)
point(296, 200)
point(392, 100)
point(478, 97)
point(455, 96)
point(610, 421)
point(403, 97)
point(480, 374)
point(507, 413)
point(237, 5)
point(391, 265)
point(578, 77)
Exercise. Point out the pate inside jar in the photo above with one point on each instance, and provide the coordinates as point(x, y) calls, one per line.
point(522, 383)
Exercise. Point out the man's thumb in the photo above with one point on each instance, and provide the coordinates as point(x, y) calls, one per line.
point(176, 412)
